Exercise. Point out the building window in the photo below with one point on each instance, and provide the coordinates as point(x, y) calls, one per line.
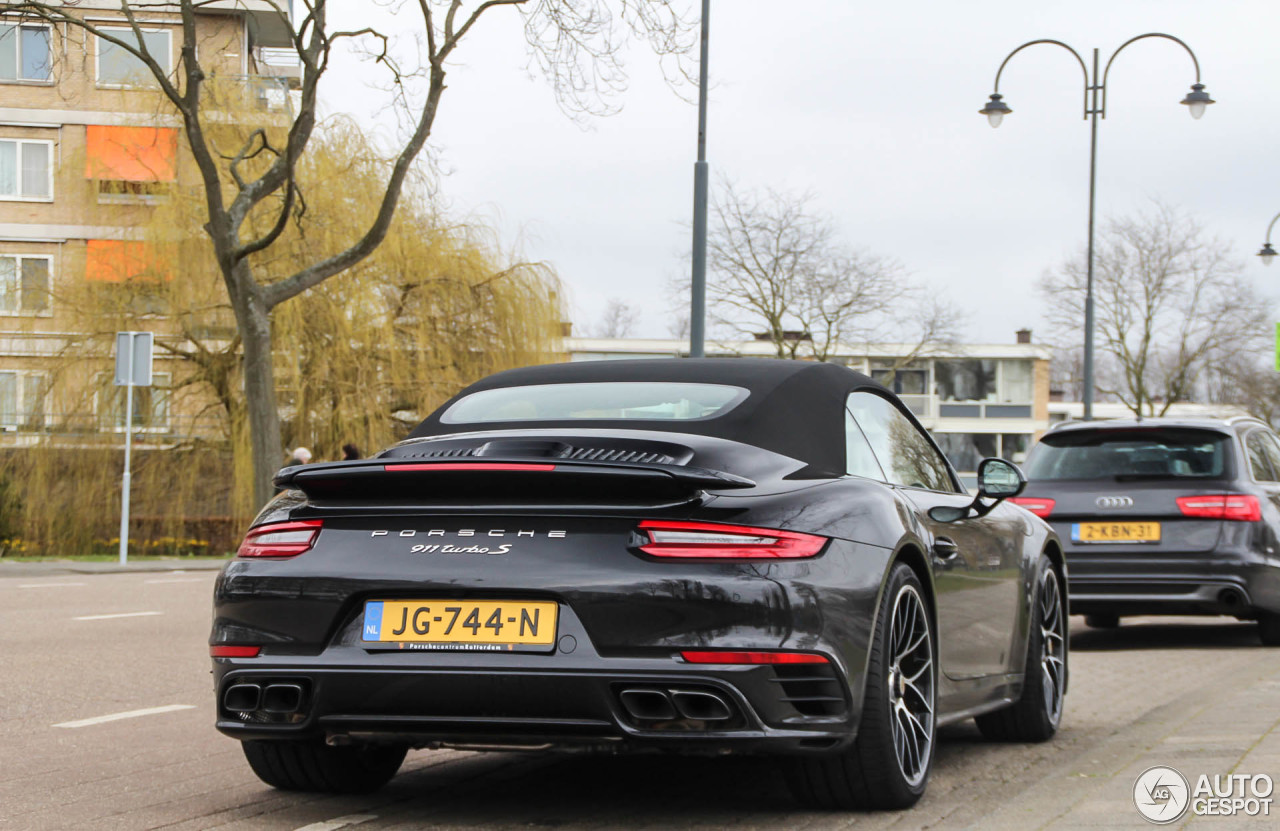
point(24, 53)
point(965, 379)
point(965, 450)
point(117, 67)
point(1015, 382)
point(150, 404)
point(24, 285)
point(131, 164)
point(26, 169)
point(22, 400)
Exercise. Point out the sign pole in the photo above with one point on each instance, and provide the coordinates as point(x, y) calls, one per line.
point(124, 486)
point(133, 369)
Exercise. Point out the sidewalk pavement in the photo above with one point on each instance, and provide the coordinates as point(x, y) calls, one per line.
point(18, 568)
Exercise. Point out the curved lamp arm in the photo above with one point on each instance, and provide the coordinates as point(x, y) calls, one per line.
point(1268, 253)
point(1107, 71)
point(1080, 60)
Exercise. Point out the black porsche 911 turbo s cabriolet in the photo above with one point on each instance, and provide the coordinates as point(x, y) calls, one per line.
point(698, 556)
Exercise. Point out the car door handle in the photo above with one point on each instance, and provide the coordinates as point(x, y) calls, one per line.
point(945, 548)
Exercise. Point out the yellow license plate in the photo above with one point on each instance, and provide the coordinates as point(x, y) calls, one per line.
point(460, 624)
point(1116, 532)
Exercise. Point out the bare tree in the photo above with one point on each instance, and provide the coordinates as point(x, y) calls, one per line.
point(776, 271)
point(1246, 382)
point(617, 321)
point(1169, 301)
point(251, 192)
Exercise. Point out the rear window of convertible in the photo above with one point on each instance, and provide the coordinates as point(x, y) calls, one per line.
point(621, 400)
point(1129, 454)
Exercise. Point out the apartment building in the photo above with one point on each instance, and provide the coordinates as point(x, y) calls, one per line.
point(88, 150)
point(978, 400)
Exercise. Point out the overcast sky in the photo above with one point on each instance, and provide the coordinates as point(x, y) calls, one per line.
point(872, 107)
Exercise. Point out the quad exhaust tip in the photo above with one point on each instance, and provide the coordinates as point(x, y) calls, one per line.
point(242, 698)
point(281, 699)
point(654, 705)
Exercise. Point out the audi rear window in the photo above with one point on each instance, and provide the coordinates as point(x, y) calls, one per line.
point(621, 400)
point(1129, 455)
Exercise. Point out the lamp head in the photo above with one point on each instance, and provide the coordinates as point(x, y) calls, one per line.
point(995, 110)
point(1197, 100)
point(1267, 254)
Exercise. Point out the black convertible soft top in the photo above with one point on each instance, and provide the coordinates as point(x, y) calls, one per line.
point(794, 407)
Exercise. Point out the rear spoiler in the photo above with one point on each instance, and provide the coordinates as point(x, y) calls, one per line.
point(502, 481)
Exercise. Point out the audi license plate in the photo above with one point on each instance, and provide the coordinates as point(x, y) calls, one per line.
point(484, 625)
point(1115, 532)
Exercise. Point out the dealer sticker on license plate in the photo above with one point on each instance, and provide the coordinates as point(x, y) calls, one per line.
point(1115, 532)
point(486, 625)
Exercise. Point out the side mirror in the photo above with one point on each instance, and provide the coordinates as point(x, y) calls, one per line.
point(997, 480)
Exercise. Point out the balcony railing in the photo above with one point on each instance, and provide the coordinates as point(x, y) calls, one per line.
point(930, 406)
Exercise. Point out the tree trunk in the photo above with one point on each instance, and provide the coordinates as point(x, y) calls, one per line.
point(254, 321)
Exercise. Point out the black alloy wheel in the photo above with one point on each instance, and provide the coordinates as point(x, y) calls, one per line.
point(888, 766)
point(1036, 715)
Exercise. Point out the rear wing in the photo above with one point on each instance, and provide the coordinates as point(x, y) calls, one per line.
point(506, 482)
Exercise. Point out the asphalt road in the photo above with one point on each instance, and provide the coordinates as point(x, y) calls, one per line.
point(74, 648)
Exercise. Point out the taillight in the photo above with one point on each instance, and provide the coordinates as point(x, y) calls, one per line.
point(711, 540)
point(232, 651)
point(1037, 505)
point(725, 656)
point(280, 539)
point(1239, 507)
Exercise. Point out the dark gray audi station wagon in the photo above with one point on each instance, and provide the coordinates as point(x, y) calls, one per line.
point(1164, 516)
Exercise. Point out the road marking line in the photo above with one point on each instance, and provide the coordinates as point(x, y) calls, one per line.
point(150, 711)
point(46, 585)
point(178, 580)
point(121, 614)
point(340, 822)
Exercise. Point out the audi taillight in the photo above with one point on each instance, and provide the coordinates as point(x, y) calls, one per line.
point(728, 656)
point(1239, 507)
point(711, 540)
point(280, 539)
point(1039, 506)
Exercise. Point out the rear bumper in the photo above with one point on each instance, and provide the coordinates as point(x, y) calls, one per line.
point(764, 707)
point(1237, 582)
point(1161, 596)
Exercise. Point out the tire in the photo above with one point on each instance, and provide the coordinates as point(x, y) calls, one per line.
point(1269, 628)
point(1036, 715)
point(897, 714)
point(314, 766)
point(1102, 621)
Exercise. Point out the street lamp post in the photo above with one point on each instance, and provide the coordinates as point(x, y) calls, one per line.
point(698, 300)
point(1095, 107)
point(1268, 253)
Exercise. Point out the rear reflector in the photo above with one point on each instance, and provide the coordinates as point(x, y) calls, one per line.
point(1238, 507)
point(1039, 506)
point(710, 540)
point(472, 466)
point(280, 539)
point(726, 657)
point(227, 651)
